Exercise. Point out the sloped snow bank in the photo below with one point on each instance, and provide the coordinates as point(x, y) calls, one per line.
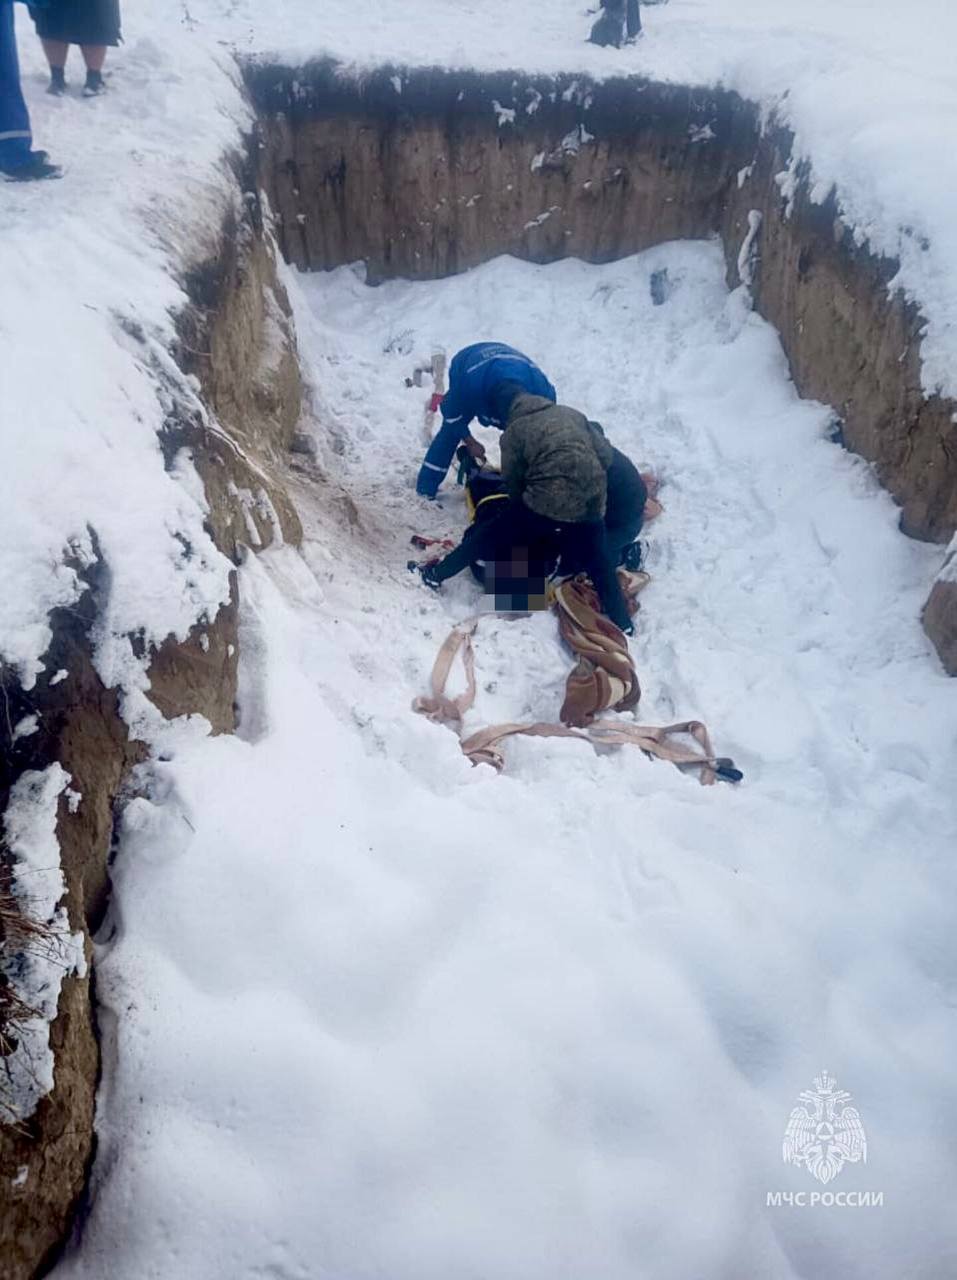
point(36, 970)
point(101, 523)
point(92, 270)
point(373, 1012)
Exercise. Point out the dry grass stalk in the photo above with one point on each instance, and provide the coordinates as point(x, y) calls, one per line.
point(22, 938)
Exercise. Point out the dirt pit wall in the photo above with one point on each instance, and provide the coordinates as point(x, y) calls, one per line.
point(232, 394)
point(426, 173)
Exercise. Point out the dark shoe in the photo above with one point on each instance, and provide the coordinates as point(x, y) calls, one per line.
point(632, 557)
point(726, 771)
point(35, 167)
point(57, 85)
point(95, 84)
point(427, 573)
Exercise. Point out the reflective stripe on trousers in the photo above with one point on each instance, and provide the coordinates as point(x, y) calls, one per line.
point(15, 136)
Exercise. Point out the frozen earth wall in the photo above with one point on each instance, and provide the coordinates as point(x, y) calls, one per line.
point(429, 172)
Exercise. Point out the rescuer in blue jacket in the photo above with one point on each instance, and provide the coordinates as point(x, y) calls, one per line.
point(473, 376)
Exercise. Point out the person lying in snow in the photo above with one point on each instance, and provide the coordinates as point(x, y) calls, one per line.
point(555, 467)
point(628, 503)
point(474, 375)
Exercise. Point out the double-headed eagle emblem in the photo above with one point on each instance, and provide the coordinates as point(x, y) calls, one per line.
point(825, 1134)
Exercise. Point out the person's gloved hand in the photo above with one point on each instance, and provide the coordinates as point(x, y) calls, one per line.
point(475, 449)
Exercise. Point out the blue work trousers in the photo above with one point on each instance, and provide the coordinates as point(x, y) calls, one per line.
point(16, 140)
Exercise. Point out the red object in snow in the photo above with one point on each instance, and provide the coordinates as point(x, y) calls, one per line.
point(436, 402)
point(422, 543)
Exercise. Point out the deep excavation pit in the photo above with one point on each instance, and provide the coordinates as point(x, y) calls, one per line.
point(427, 173)
point(421, 175)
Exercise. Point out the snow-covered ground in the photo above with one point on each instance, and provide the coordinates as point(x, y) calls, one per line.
point(373, 1013)
point(370, 1012)
point(86, 263)
point(869, 88)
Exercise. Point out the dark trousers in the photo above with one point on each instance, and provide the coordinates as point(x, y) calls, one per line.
point(15, 139)
point(622, 529)
point(618, 538)
point(520, 535)
point(627, 498)
point(624, 11)
point(618, 18)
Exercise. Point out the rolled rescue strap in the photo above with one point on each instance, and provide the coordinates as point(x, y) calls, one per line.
point(485, 745)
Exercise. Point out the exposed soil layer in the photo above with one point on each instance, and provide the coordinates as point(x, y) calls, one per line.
point(430, 172)
point(237, 340)
point(44, 1161)
point(940, 622)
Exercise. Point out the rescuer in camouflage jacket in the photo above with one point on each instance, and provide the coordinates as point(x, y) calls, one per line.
point(554, 464)
point(555, 461)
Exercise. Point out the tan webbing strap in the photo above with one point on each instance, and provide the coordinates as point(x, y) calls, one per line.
point(439, 707)
point(655, 742)
point(606, 676)
point(483, 747)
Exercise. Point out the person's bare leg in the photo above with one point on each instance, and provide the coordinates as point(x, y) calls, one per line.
point(56, 52)
point(94, 55)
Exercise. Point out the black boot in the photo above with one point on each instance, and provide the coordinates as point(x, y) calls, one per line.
point(57, 85)
point(610, 27)
point(34, 167)
point(94, 84)
point(631, 557)
point(426, 572)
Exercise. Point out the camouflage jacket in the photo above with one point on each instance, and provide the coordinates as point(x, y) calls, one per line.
point(555, 460)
